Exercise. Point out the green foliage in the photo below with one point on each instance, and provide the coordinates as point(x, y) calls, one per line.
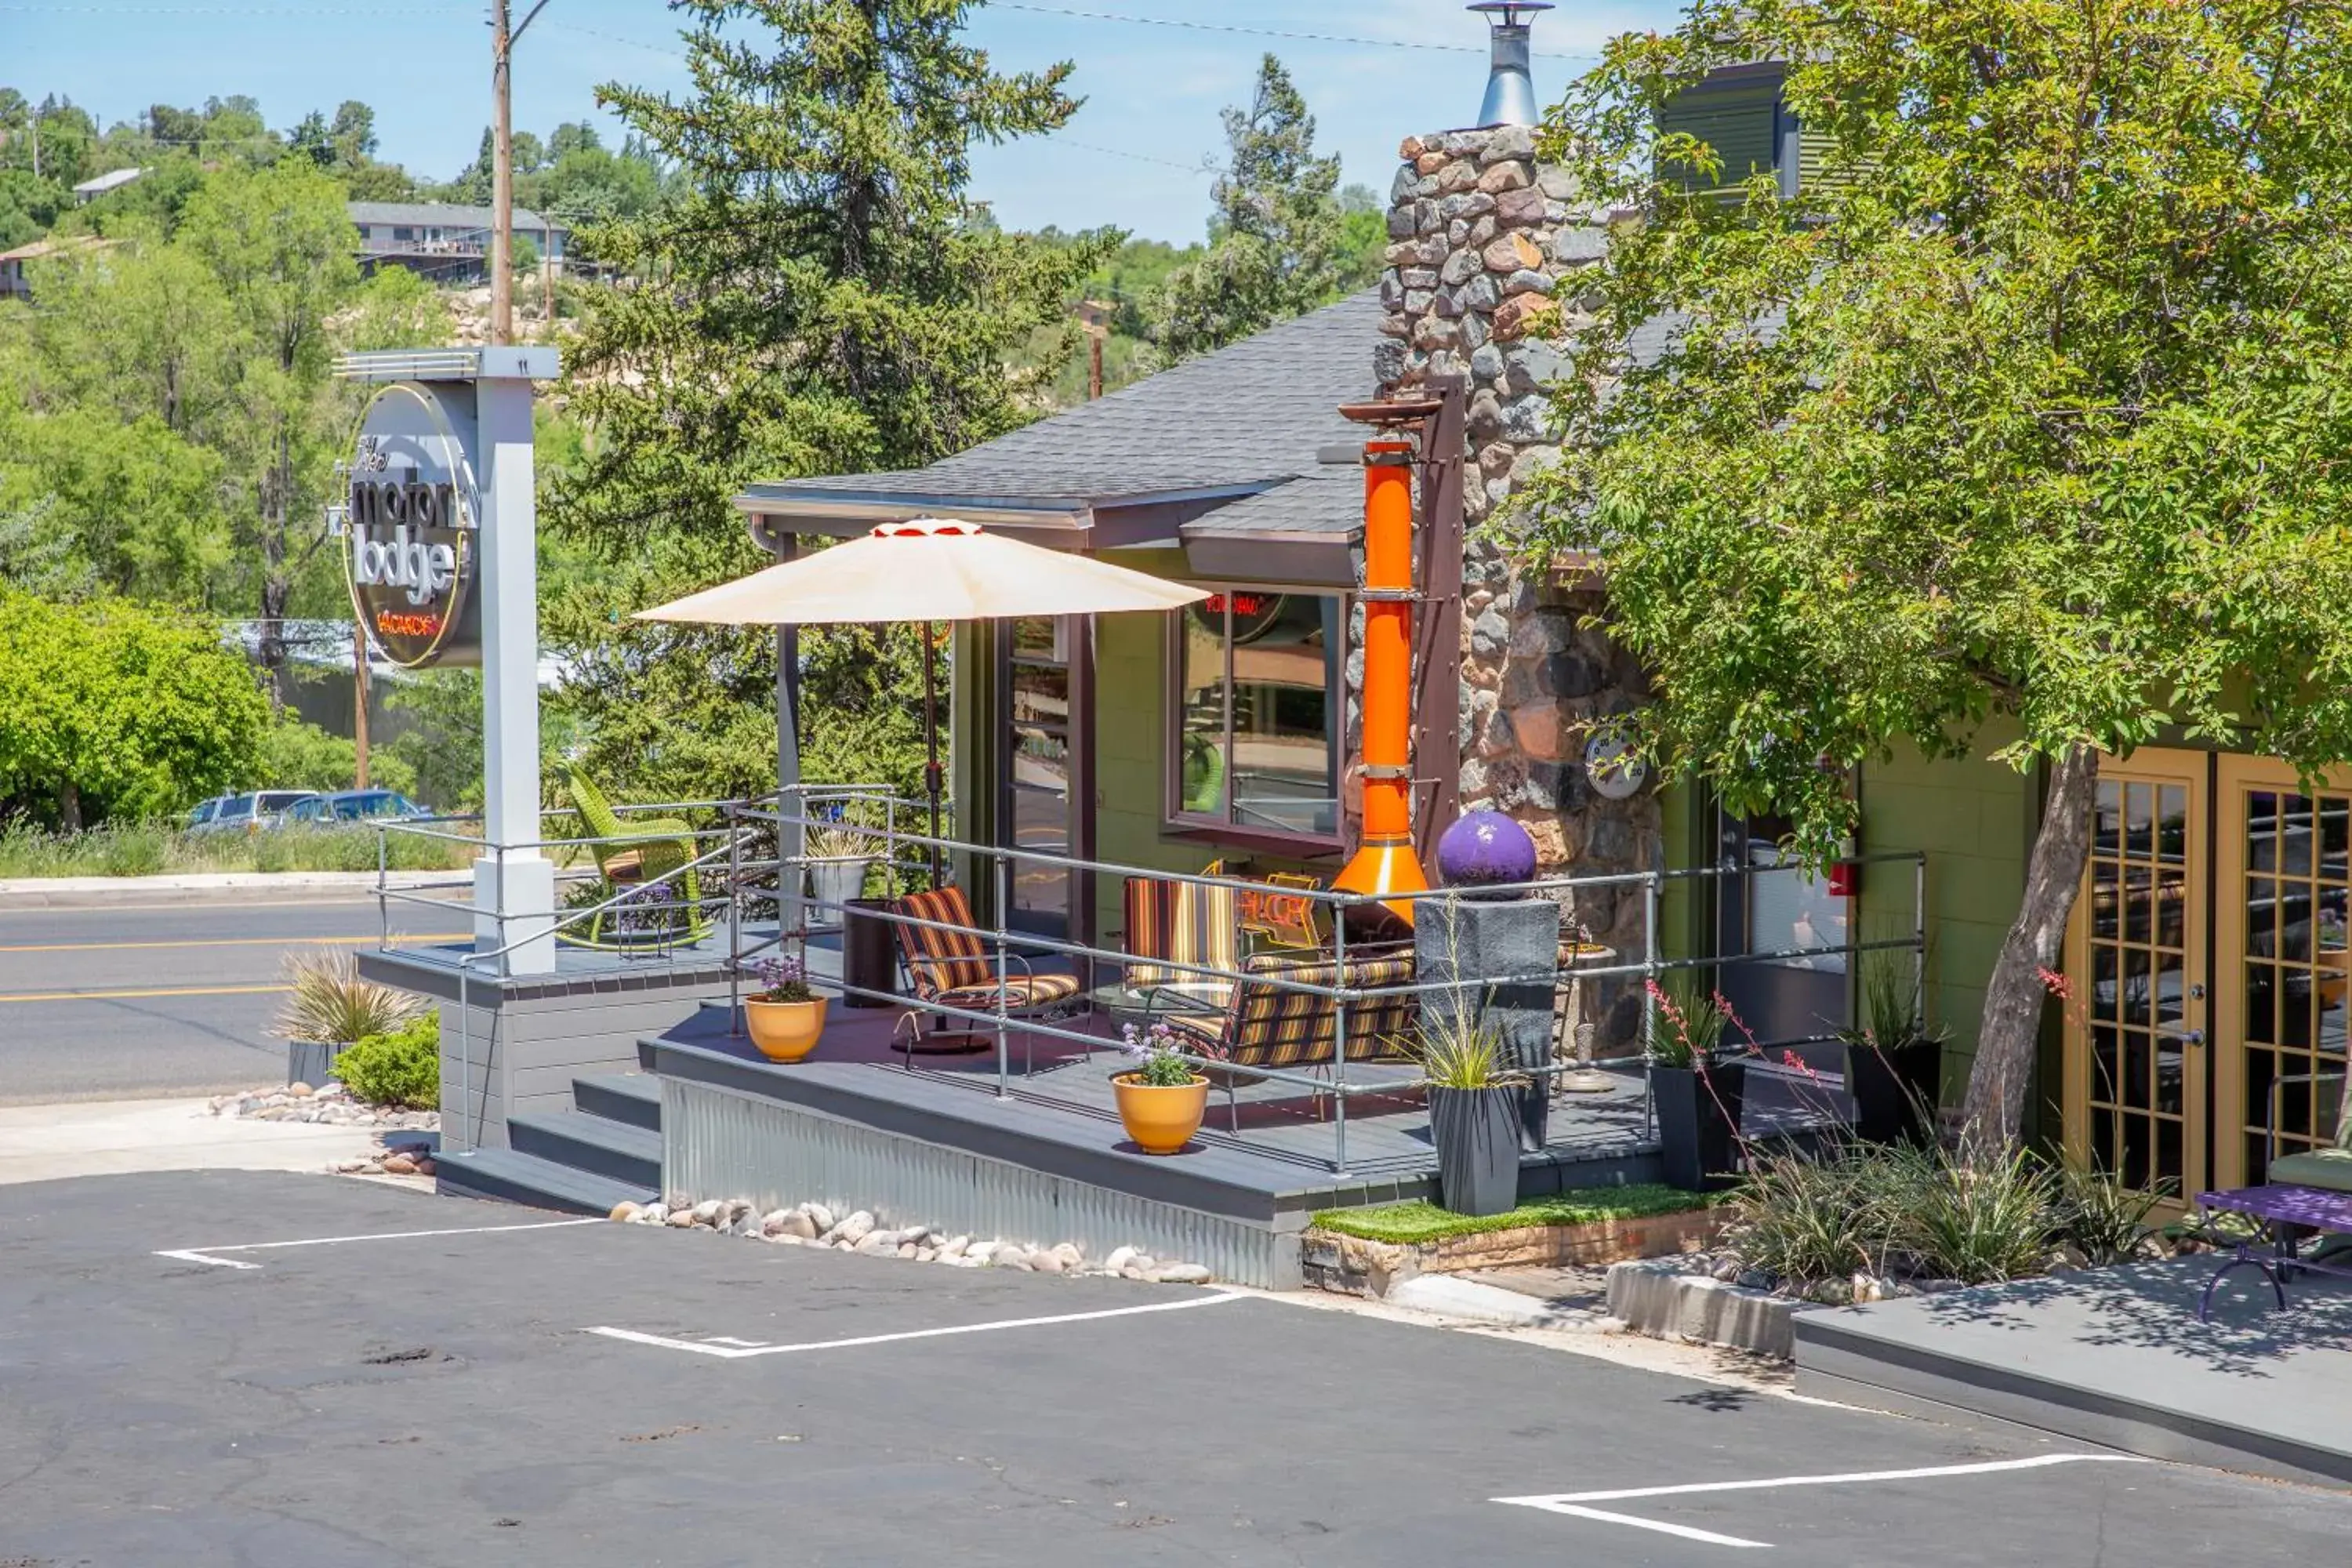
point(106, 710)
point(2032, 405)
point(1458, 1047)
point(1421, 1220)
point(328, 1000)
point(1928, 1213)
point(440, 751)
point(845, 311)
point(2101, 1217)
point(295, 755)
point(1278, 243)
point(399, 1067)
point(1691, 1018)
point(150, 848)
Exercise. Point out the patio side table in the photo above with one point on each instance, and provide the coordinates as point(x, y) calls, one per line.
point(2312, 1208)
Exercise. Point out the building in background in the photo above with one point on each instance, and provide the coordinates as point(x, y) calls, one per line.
point(444, 243)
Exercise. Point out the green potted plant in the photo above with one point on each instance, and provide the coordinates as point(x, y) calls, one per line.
point(329, 1008)
point(1474, 1109)
point(1894, 1063)
point(1696, 1094)
point(785, 1017)
point(1161, 1098)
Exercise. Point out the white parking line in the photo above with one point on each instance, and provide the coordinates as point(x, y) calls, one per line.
point(1574, 1503)
point(206, 1254)
point(736, 1350)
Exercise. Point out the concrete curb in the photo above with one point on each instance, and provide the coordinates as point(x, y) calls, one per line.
point(1658, 1299)
point(1447, 1296)
point(204, 888)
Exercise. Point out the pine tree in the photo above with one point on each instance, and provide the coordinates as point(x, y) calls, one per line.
point(820, 294)
point(1277, 241)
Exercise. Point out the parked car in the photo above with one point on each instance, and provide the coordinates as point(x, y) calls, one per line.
point(246, 813)
point(350, 805)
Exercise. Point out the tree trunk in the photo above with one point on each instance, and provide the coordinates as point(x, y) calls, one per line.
point(2006, 1045)
point(69, 808)
point(276, 585)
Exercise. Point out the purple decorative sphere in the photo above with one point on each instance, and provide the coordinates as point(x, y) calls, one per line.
point(1484, 849)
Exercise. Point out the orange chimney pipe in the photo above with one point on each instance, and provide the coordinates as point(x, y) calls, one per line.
point(1384, 863)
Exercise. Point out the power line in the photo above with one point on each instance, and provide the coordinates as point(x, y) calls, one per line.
point(1269, 32)
point(1121, 152)
point(616, 38)
point(242, 10)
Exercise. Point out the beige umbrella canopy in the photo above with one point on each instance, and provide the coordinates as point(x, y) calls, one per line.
point(931, 569)
point(928, 568)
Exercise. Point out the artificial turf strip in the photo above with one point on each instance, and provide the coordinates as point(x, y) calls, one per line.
point(1421, 1220)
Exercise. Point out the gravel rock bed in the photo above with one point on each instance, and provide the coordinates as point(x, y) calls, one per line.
point(330, 1104)
point(816, 1224)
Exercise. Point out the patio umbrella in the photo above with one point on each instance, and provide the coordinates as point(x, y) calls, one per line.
point(927, 569)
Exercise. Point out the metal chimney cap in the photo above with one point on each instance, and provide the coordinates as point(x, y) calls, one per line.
point(1511, 91)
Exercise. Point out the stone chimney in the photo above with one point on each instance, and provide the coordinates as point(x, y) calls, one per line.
point(1485, 246)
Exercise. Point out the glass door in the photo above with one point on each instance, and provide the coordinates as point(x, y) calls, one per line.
point(2285, 874)
point(2137, 1099)
point(1037, 732)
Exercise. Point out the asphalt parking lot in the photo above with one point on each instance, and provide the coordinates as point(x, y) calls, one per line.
point(178, 1386)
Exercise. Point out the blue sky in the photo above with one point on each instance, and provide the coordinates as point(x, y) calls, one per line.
point(1130, 157)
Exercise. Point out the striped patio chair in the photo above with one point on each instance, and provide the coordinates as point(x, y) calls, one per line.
point(952, 963)
point(1182, 923)
point(1268, 1025)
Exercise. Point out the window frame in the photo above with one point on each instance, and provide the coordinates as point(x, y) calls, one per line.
point(1178, 823)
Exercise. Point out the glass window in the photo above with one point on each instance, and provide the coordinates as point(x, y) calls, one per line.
point(1258, 707)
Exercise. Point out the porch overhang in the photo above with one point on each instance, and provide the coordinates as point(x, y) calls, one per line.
point(1194, 520)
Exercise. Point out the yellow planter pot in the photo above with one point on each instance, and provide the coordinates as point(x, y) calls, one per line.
point(1160, 1121)
point(785, 1031)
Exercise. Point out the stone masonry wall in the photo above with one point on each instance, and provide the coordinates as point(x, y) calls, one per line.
point(1485, 250)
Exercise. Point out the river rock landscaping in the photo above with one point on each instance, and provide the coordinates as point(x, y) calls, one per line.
point(818, 1224)
point(330, 1104)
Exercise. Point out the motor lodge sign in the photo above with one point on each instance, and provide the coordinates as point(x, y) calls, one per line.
point(410, 522)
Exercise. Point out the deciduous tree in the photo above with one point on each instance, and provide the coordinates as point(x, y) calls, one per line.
point(2037, 407)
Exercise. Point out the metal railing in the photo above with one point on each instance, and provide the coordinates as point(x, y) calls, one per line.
point(1004, 1017)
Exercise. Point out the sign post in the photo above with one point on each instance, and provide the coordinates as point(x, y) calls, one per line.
point(441, 532)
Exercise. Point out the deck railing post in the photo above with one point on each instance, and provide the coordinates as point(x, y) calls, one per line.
point(1004, 968)
point(1919, 939)
point(1648, 1003)
point(1340, 1044)
point(735, 916)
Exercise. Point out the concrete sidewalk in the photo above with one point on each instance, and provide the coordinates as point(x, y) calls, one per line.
point(41, 1142)
point(204, 888)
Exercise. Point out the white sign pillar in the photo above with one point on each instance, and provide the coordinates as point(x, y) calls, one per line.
point(514, 882)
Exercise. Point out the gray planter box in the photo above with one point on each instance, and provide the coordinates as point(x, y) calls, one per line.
point(311, 1061)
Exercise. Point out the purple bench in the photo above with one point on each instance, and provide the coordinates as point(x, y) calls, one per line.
point(2280, 1207)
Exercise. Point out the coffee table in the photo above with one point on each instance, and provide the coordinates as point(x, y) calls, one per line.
point(1141, 1004)
point(2311, 1208)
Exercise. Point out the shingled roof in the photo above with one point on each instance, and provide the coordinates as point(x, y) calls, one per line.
point(1172, 449)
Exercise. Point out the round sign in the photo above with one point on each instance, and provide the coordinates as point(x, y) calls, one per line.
point(1254, 613)
point(410, 524)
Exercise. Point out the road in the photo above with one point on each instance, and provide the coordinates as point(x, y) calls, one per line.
point(582, 1393)
point(131, 1002)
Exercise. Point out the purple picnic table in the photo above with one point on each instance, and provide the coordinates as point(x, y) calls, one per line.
point(2312, 1208)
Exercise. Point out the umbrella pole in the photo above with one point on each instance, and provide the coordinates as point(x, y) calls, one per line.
point(931, 738)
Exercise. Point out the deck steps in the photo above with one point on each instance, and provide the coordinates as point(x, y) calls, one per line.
point(605, 1151)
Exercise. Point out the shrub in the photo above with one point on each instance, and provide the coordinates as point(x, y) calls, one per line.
point(2102, 1218)
point(1804, 1218)
point(1975, 1223)
point(399, 1068)
point(330, 1002)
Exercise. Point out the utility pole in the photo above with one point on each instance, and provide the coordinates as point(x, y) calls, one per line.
point(359, 701)
point(502, 42)
point(501, 177)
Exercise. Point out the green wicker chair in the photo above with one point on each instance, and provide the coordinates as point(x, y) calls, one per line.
point(641, 850)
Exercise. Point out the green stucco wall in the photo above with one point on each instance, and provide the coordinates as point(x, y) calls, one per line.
point(1974, 818)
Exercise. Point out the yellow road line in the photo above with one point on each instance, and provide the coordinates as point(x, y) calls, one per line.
point(154, 990)
point(226, 941)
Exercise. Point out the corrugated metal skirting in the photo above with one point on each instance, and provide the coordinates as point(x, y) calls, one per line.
point(718, 1144)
